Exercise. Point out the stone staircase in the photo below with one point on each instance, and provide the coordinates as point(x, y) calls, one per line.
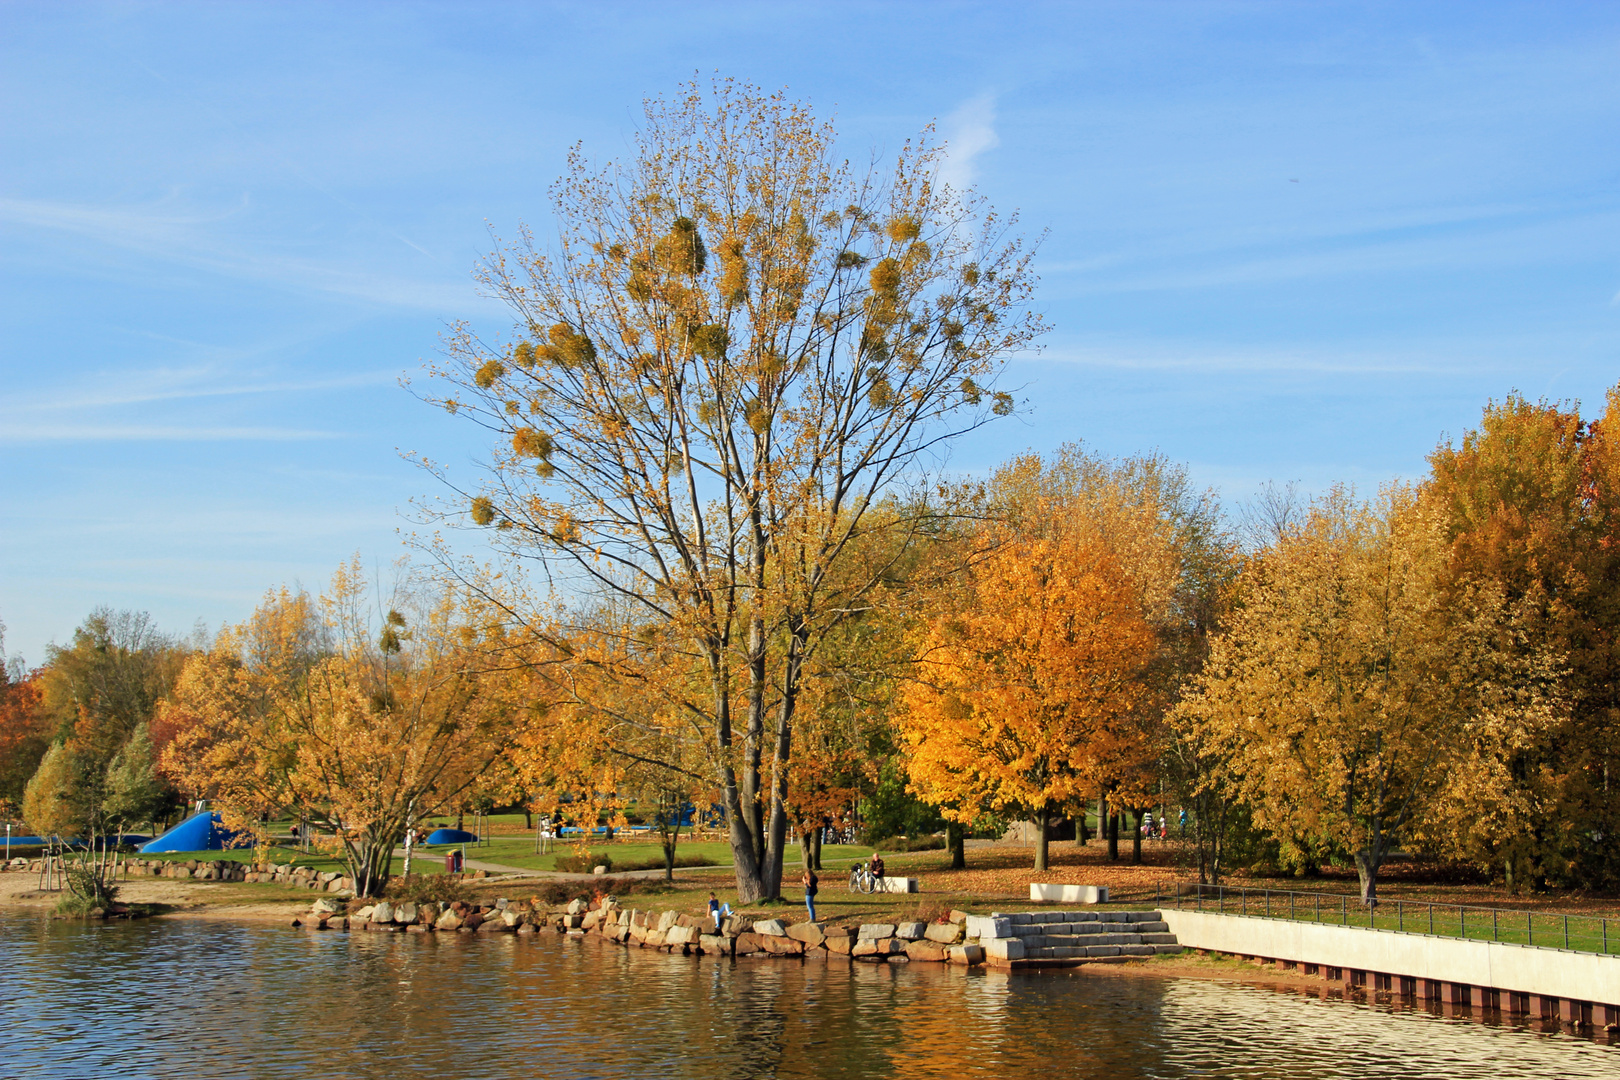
point(1063, 938)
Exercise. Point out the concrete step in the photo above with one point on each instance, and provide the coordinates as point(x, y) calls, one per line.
point(1036, 941)
point(1071, 952)
point(1048, 929)
point(1026, 918)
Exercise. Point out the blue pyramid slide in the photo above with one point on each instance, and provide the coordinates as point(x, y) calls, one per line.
point(200, 832)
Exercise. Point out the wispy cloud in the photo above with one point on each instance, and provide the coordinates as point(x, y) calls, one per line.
point(969, 132)
point(166, 230)
point(167, 384)
point(35, 433)
point(1451, 358)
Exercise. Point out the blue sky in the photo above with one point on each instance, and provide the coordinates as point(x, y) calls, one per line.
point(1287, 241)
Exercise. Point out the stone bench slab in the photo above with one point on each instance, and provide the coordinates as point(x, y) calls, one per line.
point(1068, 894)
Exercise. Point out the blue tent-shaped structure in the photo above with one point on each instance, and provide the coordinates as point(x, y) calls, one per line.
point(200, 832)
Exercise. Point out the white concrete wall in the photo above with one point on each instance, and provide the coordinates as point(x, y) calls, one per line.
point(1549, 972)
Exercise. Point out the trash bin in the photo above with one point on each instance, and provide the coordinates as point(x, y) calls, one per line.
point(452, 862)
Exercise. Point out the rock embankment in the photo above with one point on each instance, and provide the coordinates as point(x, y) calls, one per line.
point(1036, 939)
point(301, 877)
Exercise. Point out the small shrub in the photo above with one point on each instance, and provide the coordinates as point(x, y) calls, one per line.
point(657, 863)
point(75, 907)
point(583, 864)
point(557, 893)
point(914, 843)
point(427, 889)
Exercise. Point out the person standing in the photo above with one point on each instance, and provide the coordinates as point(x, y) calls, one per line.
point(811, 882)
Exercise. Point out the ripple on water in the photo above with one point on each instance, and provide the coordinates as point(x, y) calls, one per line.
point(211, 999)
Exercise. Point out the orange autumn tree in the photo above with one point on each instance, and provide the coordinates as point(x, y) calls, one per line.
point(360, 724)
point(619, 735)
point(1029, 681)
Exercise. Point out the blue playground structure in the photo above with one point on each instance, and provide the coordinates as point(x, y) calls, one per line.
point(451, 836)
point(200, 832)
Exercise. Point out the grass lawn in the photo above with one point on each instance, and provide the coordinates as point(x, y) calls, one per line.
point(519, 851)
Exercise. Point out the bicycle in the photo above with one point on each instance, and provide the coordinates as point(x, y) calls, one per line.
point(861, 879)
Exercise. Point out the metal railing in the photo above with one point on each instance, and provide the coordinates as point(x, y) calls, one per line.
point(1548, 930)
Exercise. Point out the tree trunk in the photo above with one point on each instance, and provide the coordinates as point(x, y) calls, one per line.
point(1136, 839)
point(670, 840)
point(955, 839)
point(370, 862)
point(792, 666)
point(738, 794)
point(1082, 832)
point(1113, 836)
point(815, 849)
point(1040, 841)
point(1367, 863)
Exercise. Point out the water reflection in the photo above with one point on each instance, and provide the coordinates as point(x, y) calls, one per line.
point(214, 999)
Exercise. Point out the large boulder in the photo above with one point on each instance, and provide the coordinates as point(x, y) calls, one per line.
point(405, 914)
point(448, 920)
point(928, 951)
point(323, 906)
point(749, 943)
point(888, 946)
point(667, 920)
point(364, 914)
point(770, 928)
point(967, 954)
point(383, 912)
point(782, 946)
point(576, 907)
point(876, 931)
point(944, 933)
point(910, 931)
point(807, 932)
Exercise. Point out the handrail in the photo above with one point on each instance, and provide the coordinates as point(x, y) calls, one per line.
point(1586, 933)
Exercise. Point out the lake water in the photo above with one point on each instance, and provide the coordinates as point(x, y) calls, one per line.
point(198, 998)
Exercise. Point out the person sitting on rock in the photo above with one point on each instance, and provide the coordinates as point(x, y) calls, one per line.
point(877, 868)
point(718, 911)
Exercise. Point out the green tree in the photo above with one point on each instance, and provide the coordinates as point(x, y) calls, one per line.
point(135, 793)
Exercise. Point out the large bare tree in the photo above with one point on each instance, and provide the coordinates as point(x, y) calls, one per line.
point(735, 348)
